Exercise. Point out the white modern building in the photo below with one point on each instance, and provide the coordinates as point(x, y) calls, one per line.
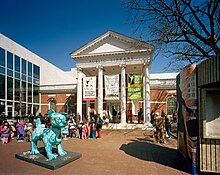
point(22, 75)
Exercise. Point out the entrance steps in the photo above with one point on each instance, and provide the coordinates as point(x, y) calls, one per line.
point(145, 126)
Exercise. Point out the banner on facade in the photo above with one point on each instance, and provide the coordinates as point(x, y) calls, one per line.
point(135, 86)
point(89, 88)
point(112, 87)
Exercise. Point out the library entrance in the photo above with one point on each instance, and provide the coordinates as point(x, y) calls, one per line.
point(113, 77)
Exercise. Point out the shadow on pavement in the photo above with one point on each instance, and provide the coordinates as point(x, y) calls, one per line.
point(146, 150)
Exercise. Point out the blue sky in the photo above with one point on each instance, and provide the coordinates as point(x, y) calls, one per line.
point(54, 28)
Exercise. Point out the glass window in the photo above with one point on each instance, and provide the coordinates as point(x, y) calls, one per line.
point(9, 88)
point(17, 90)
point(10, 72)
point(17, 108)
point(23, 109)
point(29, 92)
point(2, 86)
point(70, 106)
point(29, 80)
point(2, 106)
point(36, 94)
point(36, 81)
point(24, 66)
point(23, 77)
point(53, 104)
point(29, 69)
point(35, 110)
point(36, 72)
point(10, 60)
point(2, 57)
point(17, 75)
point(2, 70)
point(17, 63)
point(29, 108)
point(23, 91)
point(171, 106)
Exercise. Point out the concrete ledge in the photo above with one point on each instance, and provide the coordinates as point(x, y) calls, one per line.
point(41, 159)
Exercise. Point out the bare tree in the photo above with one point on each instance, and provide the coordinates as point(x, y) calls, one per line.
point(188, 31)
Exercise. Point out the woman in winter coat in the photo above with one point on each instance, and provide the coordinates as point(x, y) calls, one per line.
point(6, 132)
point(21, 131)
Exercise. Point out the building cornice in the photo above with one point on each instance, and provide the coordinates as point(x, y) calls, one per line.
point(114, 53)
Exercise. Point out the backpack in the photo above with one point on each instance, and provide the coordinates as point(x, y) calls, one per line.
point(99, 124)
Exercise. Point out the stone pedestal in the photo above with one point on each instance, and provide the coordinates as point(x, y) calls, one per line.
point(41, 159)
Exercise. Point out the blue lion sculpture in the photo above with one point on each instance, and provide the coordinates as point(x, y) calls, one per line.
point(50, 137)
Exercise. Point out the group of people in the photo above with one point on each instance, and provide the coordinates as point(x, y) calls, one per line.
point(22, 127)
point(161, 126)
point(83, 129)
point(18, 129)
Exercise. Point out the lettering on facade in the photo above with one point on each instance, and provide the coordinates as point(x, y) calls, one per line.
point(112, 59)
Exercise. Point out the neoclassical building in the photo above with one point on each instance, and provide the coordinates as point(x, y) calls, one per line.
point(113, 54)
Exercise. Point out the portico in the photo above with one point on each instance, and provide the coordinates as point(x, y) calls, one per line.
point(112, 57)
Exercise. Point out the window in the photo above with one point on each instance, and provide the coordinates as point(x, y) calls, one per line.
point(2, 57)
point(210, 112)
point(17, 90)
point(2, 70)
point(29, 92)
point(29, 108)
point(17, 63)
point(24, 66)
point(23, 109)
point(70, 106)
point(29, 69)
point(36, 94)
point(9, 88)
point(171, 105)
point(36, 72)
point(52, 104)
point(9, 60)
point(2, 86)
point(23, 91)
point(9, 72)
point(17, 108)
point(2, 106)
point(35, 109)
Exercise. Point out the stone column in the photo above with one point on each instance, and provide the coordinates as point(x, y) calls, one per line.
point(146, 92)
point(88, 109)
point(123, 94)
point(100, 91)
point(79, 93)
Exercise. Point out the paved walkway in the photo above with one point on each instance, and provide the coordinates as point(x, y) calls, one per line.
point(119, 152)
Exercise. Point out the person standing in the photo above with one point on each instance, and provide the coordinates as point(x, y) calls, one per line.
point(21, 132)
point(6, 132)
point(168, 125)
point(140, 116)
point(160, 128)
point(99, 123)
point(92, 128)
point(162, 114)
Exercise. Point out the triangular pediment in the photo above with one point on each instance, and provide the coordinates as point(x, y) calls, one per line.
point(110, 43)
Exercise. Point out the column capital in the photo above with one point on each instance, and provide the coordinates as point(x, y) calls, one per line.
point(146, 64)
point(122, 66)
point(100, 67)
point(79, 69)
